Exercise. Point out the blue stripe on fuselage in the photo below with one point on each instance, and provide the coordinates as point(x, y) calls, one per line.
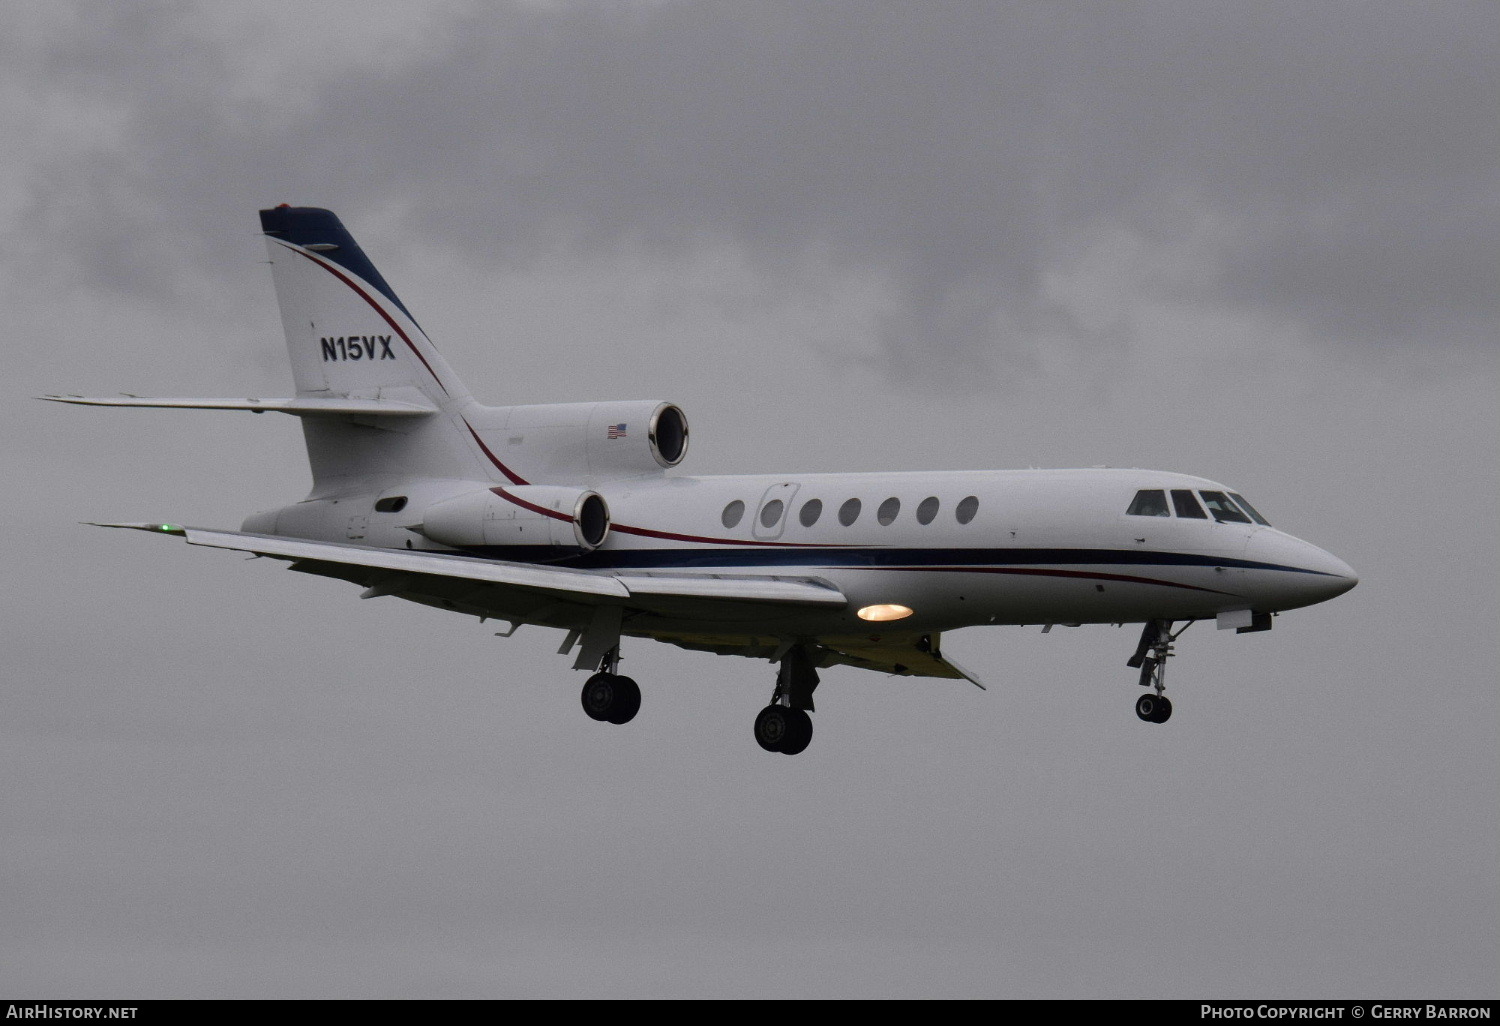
point(855, 558)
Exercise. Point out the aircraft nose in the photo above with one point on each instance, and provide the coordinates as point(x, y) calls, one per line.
point(1307, 574)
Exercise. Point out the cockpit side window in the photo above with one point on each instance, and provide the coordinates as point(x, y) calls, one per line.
point(1237, 497)
point(1223, 508)
point(1187, 506)
point(1149, 502)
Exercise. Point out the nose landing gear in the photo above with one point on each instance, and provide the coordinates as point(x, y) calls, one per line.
point(1154, 708)
point(1150, 658)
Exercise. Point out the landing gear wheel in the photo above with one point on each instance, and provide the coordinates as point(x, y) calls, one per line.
point(628, 701)
point(1163, 710)
point(598, 696)
point(609, 698)
point(800, 735)
point(773, 728)
point(1148, 707)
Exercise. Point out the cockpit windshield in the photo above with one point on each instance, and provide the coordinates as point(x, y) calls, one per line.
point(1237, 497)
point(1187, 506)
point(1149, 502)
point(1225, 507)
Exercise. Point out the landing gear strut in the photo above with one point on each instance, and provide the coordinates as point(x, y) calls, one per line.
point(1150, 658)
point(609, 697)
point(784, 726)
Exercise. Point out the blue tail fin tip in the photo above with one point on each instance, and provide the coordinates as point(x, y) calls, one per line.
point(321, 231)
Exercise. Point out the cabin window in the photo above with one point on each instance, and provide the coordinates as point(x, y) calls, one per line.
point(1237, 497)
point(733, 513)
point(888, 511)
point(770, 513)
point(1223, 508)
point(849, 512)
point(966, 508)
point(812, 509)
point(1149, 502)
point(927, 509)
point(390, 504)
point(1186, 505)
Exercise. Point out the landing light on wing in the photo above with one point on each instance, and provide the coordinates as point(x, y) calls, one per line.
point(883, 612)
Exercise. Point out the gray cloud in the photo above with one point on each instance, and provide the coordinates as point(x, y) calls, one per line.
point(1347, 147)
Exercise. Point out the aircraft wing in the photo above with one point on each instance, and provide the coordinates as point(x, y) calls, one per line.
point(524, 592)
point(499, 589)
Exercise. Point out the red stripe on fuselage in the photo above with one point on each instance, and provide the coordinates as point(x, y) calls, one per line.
point(514, 477)
point(644, 532)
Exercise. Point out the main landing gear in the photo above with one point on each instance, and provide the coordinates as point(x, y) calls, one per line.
point(784, 726)
point(609, 697)
point(1150, 658)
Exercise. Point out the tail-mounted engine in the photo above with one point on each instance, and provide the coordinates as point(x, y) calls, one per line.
point(541, 515)
point(566, 442)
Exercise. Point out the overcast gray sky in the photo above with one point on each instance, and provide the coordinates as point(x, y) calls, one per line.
point(1252, 242)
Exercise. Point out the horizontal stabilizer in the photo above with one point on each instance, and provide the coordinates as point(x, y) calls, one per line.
point(298, 407)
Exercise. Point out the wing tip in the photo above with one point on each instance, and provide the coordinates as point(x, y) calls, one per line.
point(154, 528)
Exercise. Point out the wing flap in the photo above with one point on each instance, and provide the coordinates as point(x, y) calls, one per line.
point(905, 655)
point(918, 655)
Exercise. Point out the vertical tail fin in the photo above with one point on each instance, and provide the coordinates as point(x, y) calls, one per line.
point(349, 336)
point(347, 332)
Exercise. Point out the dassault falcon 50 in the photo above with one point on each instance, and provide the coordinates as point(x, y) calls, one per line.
point(573, 516)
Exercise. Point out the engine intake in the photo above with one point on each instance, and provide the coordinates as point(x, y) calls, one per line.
point(530, 515)
point(668, 435)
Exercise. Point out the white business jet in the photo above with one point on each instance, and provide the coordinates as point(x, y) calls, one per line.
point(571, 516)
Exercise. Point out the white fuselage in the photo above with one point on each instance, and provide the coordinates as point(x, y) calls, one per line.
point(1040, 546)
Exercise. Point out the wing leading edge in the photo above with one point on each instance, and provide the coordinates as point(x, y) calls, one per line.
point(393, 571)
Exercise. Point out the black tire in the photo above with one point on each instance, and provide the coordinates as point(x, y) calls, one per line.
point(1146, 707)
point(627, 701)
point(599, 696)
point(1163, 710)
point(801, 734)
point(773, 726)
